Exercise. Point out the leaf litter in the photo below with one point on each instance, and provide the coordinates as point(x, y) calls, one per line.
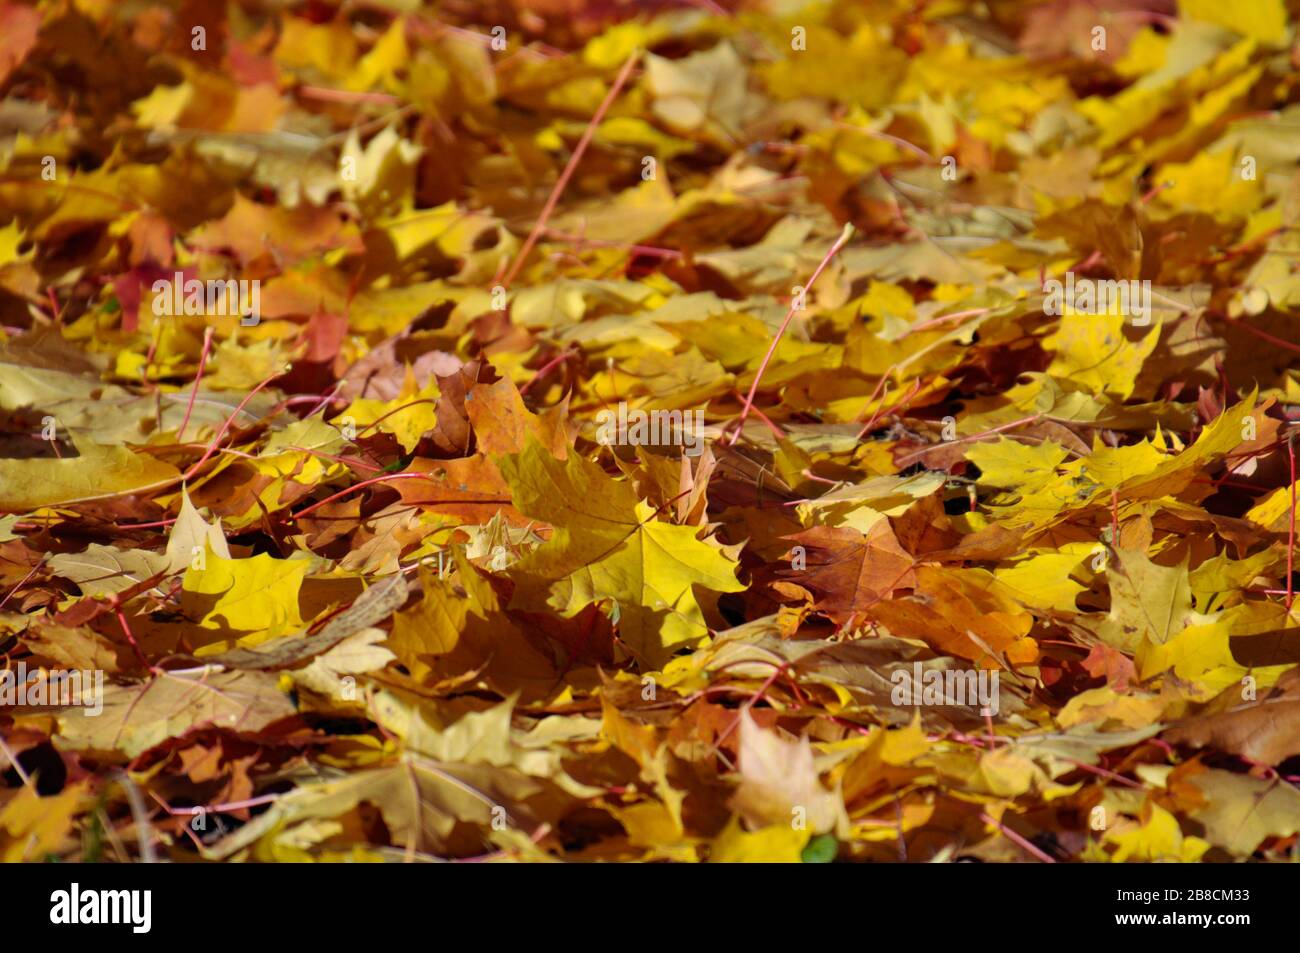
point(726, 432)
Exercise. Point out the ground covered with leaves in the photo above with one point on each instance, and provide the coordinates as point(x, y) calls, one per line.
point(571, 483)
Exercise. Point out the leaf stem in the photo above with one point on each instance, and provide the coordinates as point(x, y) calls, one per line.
point(562, 182)
point(194, 391)
point(357, 486)
point(1290, 536)
point(794, 306)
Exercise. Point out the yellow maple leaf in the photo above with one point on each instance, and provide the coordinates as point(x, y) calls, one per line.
point(408, 416)
point(1091, 350)
point(610, 545)
point(776, 844)
point(33, 826)
point(255, 599)
point(98, 472)
point(1158, 839)
point(1211, 182)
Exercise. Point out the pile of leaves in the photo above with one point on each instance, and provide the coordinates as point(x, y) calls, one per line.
point(365, 576)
